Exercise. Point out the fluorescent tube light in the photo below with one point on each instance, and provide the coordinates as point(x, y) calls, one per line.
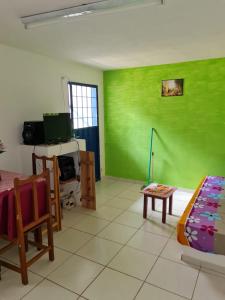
point(82, 10)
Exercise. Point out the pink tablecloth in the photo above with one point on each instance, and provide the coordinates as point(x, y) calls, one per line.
point(7, 178)
point(7, 203)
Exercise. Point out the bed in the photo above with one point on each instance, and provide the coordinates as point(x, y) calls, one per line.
point(202, 225)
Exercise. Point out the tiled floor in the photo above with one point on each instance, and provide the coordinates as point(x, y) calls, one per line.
point(112, 253)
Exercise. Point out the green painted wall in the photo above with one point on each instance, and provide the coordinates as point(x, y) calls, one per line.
point(190, 139)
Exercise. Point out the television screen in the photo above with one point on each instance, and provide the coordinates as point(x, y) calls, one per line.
point(57, 128)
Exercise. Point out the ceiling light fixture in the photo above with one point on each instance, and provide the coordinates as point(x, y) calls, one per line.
point(82, 10)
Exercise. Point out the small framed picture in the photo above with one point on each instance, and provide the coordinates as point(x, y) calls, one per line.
point(173, 87)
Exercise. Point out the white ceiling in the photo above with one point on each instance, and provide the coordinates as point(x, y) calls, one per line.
point(182, 30)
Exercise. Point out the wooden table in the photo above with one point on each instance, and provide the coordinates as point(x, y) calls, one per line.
point(164, 195)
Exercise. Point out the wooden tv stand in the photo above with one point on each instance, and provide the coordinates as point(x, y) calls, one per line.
point(71, 148)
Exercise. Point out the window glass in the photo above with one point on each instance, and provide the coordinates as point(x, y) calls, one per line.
point(75, 112)
point(88, 92)
point(75, 102)
point(80, 123)
point(75, 123)
point(84, 101)
point(74, 90)
point(93, 102)
point(79, 102)
point(83, 105)
point(90, 122)
point(93, 93)
point(89, 112)
point(94, 113)
point(89, 102)
point(78, 87)
point(85, 112)
point(85, 122)
point(84, 91)
point(95, 122)
point(80, 112)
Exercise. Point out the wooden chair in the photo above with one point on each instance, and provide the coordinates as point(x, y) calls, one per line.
point(52, 164)
point(36, 222)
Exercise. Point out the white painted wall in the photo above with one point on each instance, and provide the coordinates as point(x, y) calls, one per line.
point(31, 84)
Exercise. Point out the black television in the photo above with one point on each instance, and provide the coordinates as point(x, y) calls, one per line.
point(57, 128)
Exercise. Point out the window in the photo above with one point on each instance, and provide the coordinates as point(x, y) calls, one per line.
point(83, 101)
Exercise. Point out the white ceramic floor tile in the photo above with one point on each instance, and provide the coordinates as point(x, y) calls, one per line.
point(106, 212)
point(113, 285)
point(122, 184)
point(148, 242)
point(99, 250)
point(136, 186)
point(210, 287)
point(120, 203)
point(101, 200)
point(133, 262)
point(106, 180)
point(137, 206)
point(173, 251)
point(71, 218)
point(110, 191)
point(91, 225)
point(130, 219)
point(76, 274)
point(130, 194)
point(71, 239)
point(12, 254)
point(78, 210)
point(117, 233)
point(12, 288)
point(173, 277)
point(43, 266)
point(149, 292)
point(49, 290)
point(157, 227)
point(174, 235)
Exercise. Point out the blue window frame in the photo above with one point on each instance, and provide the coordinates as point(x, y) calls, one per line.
point(83, 102)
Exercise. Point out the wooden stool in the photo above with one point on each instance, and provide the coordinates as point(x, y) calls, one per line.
point(158, 195)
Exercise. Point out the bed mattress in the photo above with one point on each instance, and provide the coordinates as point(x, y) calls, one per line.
point(202, 225)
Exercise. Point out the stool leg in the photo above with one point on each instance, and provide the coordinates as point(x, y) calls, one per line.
point(145, 207)
point(170, 205)
point(164, 210)
point(153, 203)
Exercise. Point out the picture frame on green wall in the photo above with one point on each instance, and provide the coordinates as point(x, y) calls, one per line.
point(172, 87)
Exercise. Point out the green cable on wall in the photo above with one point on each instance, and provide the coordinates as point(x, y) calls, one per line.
point(149, 179)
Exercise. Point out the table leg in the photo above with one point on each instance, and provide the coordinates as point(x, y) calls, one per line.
point(145, 207)
point(170, 205)
point(153, 203)
point(164, 210)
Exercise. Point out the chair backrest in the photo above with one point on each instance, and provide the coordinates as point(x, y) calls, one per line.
point(38, 195)
point(52, 164)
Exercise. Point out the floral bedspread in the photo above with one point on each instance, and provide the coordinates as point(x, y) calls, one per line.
point(202, 225)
